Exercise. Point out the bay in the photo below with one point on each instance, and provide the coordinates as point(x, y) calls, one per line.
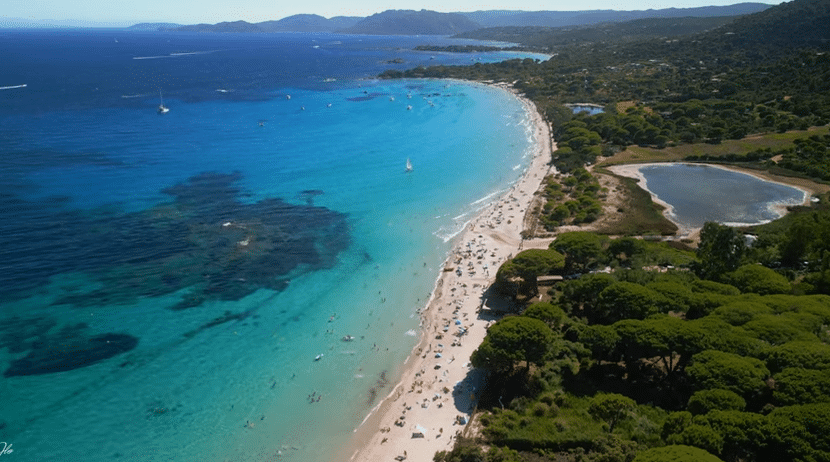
point(168, 280)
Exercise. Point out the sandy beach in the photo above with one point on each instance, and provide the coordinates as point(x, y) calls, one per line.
point(427, 409)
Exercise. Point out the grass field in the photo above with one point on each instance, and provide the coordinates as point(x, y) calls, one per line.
point(773, 141)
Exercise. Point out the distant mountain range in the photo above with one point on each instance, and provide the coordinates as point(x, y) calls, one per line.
point(296, 23)
point(391, 22)
point(408, 22)
point(424, 22)
point(310, 23)
point(499, 18)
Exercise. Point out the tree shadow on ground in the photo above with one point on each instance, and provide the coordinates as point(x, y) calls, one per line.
point(467, 392)
point(500, 389)
point(494, 305)
point(613, 378)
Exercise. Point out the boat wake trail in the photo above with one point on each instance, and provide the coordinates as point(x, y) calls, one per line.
point(176, 55)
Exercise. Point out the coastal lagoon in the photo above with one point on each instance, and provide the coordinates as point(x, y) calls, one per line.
point(697, 193)
point(239, 278)
point(588, 109)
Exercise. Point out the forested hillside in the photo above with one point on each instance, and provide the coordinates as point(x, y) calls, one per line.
point(545, 38)
point(502, 18)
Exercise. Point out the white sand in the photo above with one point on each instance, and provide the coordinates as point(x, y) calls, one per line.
point(434, 391)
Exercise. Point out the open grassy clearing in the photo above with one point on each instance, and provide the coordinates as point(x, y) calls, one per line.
point(773, 141)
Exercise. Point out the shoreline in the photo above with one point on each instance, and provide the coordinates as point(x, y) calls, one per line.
point(437, 384)
point(633, 171)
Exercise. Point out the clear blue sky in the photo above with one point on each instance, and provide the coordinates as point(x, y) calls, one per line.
point(213, 11)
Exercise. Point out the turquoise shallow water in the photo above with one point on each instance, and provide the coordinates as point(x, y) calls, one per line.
point(118, 221)
point(701, 193)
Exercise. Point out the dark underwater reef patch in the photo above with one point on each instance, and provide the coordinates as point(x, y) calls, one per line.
point(366, 97)
point(70, 348)
point(205, 239)
point(19, 334)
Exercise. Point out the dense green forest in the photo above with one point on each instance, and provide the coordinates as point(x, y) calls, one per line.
point(719, 353)
point(651, 350)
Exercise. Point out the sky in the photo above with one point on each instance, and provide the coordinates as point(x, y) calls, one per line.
point(118, 12)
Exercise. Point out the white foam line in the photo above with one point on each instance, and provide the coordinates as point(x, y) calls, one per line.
point(741, 224)
point(489, 196)
point(475, 207)
point(13, 87)
point(447, 237)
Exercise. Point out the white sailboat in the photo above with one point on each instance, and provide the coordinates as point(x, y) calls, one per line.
point(408, 165)
point(162, 108)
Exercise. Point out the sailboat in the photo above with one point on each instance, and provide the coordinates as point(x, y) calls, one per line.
point(162, 108)
point(408, 165)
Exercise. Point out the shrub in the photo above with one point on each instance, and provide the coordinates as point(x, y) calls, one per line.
point(540, 409)
point(676, 453)
point(758, 279)
point(707, 400)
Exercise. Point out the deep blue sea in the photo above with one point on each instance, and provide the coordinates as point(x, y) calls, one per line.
point(701, 193)
point(168, 280)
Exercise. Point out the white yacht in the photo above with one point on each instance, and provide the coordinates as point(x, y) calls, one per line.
point(162, 108)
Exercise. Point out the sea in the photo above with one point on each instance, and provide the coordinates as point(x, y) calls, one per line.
point(698, 193)
point(238, 278)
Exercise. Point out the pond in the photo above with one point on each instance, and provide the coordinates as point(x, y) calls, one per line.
point(591, 109)
point(698, 193)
